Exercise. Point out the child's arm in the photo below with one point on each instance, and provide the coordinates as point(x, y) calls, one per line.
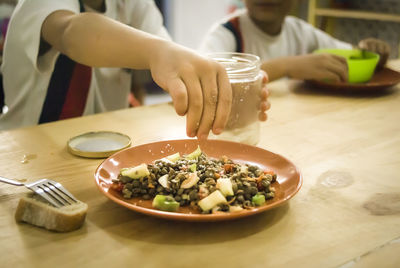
point(198, 86)
point(311, 66)
point(377, 46)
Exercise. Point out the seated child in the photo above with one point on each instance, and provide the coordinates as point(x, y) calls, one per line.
point(284, 43)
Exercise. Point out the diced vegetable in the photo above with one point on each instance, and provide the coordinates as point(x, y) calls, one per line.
point(258, 199)
point(163, 180)
point(228, 168)
point(195, 154)
point(212, 200)
point(191, 180)
point(243, 169)
point(193, 167)
point(165, 203)
point(174, 157)
point(136, 172)
point(235, 208)
point(225, 186)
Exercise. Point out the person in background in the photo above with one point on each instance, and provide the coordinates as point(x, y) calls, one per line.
point(64, 59)
point(283, 43)
point(6, 9)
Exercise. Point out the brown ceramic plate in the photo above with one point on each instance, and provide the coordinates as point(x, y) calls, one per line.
point(382, 79)
point(288, 183)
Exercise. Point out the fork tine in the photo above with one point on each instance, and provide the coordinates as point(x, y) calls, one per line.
point(43, 194)
point(51, 189)
point(60, 188)
point(50, 193)
point(53, 192)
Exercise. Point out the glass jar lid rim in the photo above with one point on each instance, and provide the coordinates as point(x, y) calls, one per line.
point(238, 65)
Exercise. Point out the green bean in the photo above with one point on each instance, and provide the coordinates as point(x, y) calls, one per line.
point(126, 193)
point(180, 191)
point(253, 190)
point(247, 204)
point(224, 207)
point(210, 173)
point(268, 177)
point(136, 183)
point(210, 181)
point(193, 195)
point(143, 191)
point(269, 195)
point(240, 198)
point(136, 190)
point(252, 168)
point(234, 187)
point(152, 191)
point(265, 183)
point(125, 179)
point(128, 186)
point(160, 189)
point(247, 190)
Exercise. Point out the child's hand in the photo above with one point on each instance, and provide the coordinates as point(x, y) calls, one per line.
point(326, 67)
point(377, 46)
point(199, 87)
point(265, 105)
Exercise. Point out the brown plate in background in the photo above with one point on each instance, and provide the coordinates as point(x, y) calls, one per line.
point(289, 179)
point(382, 79)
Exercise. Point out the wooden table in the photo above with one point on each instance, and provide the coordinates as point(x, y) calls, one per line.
point(347, 213)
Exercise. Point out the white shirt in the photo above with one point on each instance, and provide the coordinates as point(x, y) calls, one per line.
point(26, 75)
point(296, 37)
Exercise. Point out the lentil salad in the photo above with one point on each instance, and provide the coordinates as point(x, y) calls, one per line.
point(196, 180)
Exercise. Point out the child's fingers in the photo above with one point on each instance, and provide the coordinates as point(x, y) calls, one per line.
point(380, 48)
point(262, 116)
point(339, 67)
point(195, 104)
point(264, 93)
point(210, 99)
point(177, 90)
point(265, 77)
point(367, 44)
point(224, 101)
point(265, 106)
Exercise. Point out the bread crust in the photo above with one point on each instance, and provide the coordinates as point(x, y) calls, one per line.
point(36, 211)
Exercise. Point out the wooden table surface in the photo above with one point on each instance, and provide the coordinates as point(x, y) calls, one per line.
point(347, 213)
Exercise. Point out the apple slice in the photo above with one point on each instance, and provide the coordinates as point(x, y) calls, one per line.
point(136, 172)
point(212, 200)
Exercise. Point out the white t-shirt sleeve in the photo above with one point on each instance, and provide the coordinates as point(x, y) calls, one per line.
point(317, 39)
point(145, 16)
point(218, 39)
point(24, 32)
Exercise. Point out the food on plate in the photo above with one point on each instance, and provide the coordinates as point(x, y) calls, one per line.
point(165, 202)
point(37, 211)
point(207, 184)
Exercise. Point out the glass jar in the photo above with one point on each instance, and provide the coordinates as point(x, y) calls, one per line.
point(246, 80)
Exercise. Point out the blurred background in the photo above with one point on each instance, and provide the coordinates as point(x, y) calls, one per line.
point(188, 20)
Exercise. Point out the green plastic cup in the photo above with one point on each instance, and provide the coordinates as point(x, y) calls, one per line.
point(361, 64)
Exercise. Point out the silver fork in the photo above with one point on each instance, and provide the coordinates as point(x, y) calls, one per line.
point(50, 190)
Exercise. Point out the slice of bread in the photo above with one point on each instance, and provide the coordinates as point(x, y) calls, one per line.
point(37, 211)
